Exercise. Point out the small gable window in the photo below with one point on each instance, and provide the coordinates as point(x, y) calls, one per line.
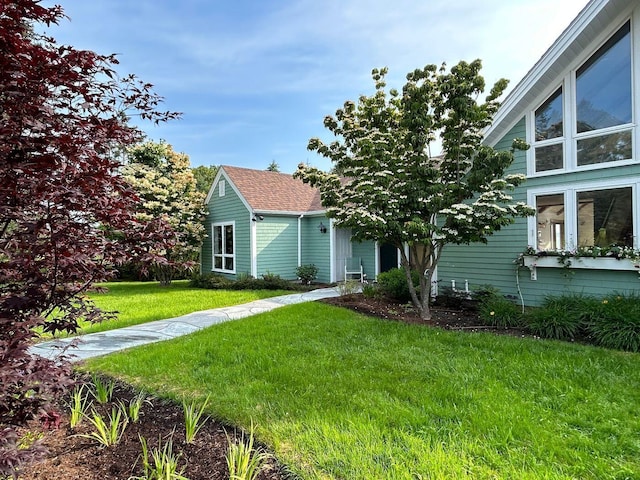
point(224, 259)
point(221, 188)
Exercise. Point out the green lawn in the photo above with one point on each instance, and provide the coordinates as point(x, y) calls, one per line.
point(138, 302)
point(338, 395)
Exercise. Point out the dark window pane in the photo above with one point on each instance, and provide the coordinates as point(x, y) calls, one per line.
point(228, 239)
point(605, 148)
point(605, 217)
point(549, 157)
point(228, 263)
point(550, 222)
point(549, 118)
point(603, 85)
point(217, 239)
point(217, 262)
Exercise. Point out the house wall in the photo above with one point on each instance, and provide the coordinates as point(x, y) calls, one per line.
point(316, 246)
point(491, 263)
point(227, 209)
point(367, 252)
point(277, 246)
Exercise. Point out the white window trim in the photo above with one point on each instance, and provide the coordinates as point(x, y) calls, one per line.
point(570, 193)
point(571, 137)
point(224, 255)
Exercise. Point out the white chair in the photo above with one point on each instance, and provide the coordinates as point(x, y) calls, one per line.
point(353, 266)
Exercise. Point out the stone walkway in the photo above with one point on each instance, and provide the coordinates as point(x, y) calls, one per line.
point(102, 343)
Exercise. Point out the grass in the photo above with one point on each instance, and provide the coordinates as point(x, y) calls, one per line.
point(339, 395)
point(141, 302)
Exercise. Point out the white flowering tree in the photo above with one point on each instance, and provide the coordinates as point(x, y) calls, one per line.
point(167, 189)
point(391, 190)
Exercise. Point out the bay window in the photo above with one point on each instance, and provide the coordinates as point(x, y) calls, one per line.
point(224, 247)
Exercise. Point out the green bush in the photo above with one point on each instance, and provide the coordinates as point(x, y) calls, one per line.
point(615, 322)
point(562, 317)
point(307, 273)
point(268, 281)
point(371, 290)
point(212, 281)
point(457, 299)
point(393, 284)
point(274, 282)
point(498, 311)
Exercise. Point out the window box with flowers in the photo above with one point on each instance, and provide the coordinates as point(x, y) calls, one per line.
point(595, 258)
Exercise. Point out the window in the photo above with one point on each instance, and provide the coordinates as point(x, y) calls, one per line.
point(550, 229)
point(224, 247)
point(605, 218)
point(549, 134)
point(585, 217)
point(596, 103)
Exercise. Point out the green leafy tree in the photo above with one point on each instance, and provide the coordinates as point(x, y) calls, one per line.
point(391, 189)
point(273, 167)
point(167, 188)
point(204, 176)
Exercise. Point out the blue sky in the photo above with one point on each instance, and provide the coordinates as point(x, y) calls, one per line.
point(255, 79)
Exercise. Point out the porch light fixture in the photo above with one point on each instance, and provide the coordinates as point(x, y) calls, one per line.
point(257, 217)
point(322, 228)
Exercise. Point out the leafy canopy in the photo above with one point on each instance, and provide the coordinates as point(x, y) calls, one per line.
point(390, 189)
point(168, 190)
point(64, 113)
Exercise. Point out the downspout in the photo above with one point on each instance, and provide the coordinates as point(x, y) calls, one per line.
point(253, 242)
point(300, 239)
point(376, 261)
point(332, 252)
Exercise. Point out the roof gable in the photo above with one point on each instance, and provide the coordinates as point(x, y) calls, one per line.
point(266, 191)
point(591, 25)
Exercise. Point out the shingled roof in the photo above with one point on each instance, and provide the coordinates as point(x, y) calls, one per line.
point(274, 191)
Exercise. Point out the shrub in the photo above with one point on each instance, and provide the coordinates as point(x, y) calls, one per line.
point(393, 284)
point(498, 311)
point(268, 281)
point(307, 273)
point(212, 281)
point(271, 281)
point(370, 290)
point(615, 322)
point(348, 287)
point(563, 317)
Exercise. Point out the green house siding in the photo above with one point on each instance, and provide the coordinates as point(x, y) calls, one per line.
point(493, 263)
point(367, 252)
point(228, 208)
point(277, 246)
point(316, 246)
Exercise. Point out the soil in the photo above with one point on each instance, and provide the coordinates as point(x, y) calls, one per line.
point(73, 457)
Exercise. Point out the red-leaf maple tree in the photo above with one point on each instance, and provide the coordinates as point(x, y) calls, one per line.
point(66, 215)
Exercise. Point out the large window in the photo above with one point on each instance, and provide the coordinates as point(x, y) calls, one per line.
point(585, 217)
point(224, 247)
point(605, 217)
point(600, 104)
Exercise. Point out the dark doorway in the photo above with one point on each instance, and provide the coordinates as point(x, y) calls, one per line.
point(388, 257)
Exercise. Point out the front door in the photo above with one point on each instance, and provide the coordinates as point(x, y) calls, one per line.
point(342, 242)
point(388, 257)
